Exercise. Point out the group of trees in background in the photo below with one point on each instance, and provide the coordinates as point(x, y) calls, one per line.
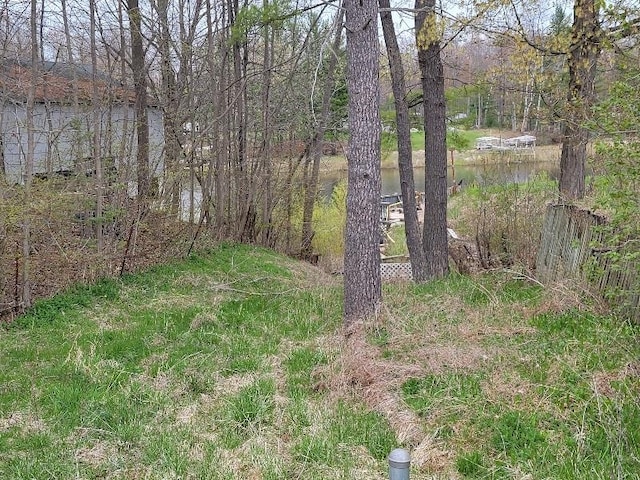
point(533, 42)
point(254, 93)
point(247, 93)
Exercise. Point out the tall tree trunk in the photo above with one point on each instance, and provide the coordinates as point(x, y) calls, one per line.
point(244, 199)
point(218, 87)
point(140, 86)
point(29, 161)
point(479, 118)
point(125, 144)
point(209, 186)
point(528, 102)
point(265, 148)
point(315, 149)
point(95, 105)
point(171, 122)
point(435, 239)
point(75, 148)
point(405, 160)
point(583, 57)
point(536, 127)
point(362, 283)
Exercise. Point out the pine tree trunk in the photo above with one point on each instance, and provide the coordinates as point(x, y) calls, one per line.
point(140, 86)
point(405, 160)
point(362, 284)
point(435, 240)
point(96, 124)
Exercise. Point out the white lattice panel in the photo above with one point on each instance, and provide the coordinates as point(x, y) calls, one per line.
point(392, 271)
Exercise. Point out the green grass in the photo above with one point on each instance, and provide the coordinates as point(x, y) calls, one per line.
point(547, 395)
point(229, 365)
point(247, 412)
point(346, 427)
point(398, 243)
point(437, 391)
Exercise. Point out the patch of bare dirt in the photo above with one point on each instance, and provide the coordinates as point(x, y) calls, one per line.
point(603, 383)
point(26, 422)
point(97, 454)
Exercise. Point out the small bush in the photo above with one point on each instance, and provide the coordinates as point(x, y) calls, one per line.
point(329, 219)
point(505, 221)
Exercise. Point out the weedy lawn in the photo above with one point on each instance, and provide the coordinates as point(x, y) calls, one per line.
point(232, 364)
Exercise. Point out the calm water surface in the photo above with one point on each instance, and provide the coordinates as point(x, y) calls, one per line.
point(491, 174)
point(468, 174)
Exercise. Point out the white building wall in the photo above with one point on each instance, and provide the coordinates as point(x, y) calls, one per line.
point(63, 139)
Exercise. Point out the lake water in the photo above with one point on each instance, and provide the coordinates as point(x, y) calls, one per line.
point(490, 174)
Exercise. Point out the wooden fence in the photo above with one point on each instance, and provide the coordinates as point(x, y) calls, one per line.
point(567, 250)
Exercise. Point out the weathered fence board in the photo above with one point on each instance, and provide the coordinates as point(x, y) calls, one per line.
point(567, 248)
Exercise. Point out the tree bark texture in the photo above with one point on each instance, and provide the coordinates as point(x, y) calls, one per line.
point(583, 57)
point(96, 125)
point(124, 150)
point(435, 239)
point(405, 160)
point(171, 120)
point(218, 72)
point(266, 165)
point(29, 161)
point(140, 87)
point(245, 209)
point(362, 283)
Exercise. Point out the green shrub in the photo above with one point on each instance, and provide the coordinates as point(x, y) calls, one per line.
point(505, 220)
point(616, 165)
point(329, 219)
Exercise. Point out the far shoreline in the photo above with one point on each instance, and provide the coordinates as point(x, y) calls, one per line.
point(545, 153)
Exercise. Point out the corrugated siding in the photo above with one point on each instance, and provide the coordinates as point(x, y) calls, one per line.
point(63, 137)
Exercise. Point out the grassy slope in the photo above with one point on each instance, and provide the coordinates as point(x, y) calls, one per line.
point(231, 365)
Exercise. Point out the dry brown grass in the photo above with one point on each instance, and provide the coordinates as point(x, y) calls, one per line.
point(97, 454)
point(361, 373)
point(568, 295)
point(458, 338)
point(26, 422)
point(603, 382)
